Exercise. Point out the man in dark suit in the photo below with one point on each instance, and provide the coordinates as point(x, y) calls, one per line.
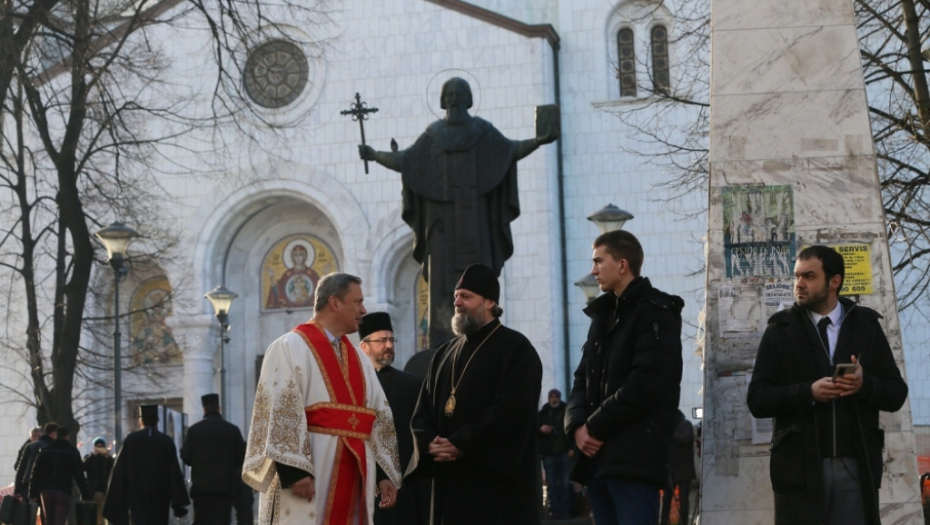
point(214, 449)
point(402, 390)
point(146, 479)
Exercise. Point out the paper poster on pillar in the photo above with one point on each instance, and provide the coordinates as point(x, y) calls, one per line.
point(758, 230)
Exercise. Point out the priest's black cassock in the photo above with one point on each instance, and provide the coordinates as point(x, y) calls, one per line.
point(496, 480)
point(146, 481)
point(412, 508)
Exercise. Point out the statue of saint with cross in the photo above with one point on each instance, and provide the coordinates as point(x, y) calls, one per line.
point(459, 196)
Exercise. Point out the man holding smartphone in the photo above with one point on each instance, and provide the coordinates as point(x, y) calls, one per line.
point(824, 370)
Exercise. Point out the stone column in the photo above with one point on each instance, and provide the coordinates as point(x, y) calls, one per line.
point(791, 164)
point(200, 375)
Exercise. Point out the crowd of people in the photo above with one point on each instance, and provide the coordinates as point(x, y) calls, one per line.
point(340, 436)
point(144, 484)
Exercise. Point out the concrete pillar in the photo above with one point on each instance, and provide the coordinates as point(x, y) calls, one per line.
point(200, 375)
point(792, 164)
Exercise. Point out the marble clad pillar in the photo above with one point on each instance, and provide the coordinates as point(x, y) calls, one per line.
point(199, 371)
point(791, 164)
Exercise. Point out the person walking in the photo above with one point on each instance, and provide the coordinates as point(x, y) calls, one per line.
point(34, 436)
point(30, 453)
point(146, 482)
point(214, 449)
point(97, 467)
point(57, 468)
point(555, 452)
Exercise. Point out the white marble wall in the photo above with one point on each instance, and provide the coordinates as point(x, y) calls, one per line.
point(788, 108)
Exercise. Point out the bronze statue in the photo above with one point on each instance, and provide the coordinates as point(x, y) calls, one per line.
point(459, 196)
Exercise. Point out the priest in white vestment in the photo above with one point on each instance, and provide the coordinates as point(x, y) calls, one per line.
point(322, 439)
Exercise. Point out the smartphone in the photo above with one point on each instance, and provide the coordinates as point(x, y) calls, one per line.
point(843, 369)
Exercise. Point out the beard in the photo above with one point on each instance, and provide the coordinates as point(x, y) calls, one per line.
point(813, 300)
point(457, 114)
point(386, 359)
point(465, 324)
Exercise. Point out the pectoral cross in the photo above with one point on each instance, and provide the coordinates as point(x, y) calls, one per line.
point(359, 111)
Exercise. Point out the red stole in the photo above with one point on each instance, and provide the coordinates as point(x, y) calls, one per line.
point(345, 416)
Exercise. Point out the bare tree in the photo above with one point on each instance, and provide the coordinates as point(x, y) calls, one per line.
point(670, 129)
point(84, 107)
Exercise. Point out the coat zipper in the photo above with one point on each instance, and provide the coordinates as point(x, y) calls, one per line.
point(830, 360)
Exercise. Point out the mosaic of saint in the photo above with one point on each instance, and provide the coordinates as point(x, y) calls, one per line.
point(152, 339)
point(291, 270)
point(422, 302)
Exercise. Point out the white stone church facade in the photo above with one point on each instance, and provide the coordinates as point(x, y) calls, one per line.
point(312, 192)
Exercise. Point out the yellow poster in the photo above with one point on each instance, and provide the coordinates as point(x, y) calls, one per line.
point(858, 259)
point(291, 270)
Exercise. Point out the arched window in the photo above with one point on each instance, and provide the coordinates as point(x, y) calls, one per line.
point(626, 59)
point(660, 77)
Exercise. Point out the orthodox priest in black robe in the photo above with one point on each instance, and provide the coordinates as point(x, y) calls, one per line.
point(475, 422)
point(459, 196)
point(402, 390)
point(146, 480)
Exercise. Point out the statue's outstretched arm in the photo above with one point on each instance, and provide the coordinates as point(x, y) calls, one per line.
point(525, 147)
point(389, 159)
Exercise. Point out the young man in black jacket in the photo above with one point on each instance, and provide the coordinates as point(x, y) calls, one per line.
point(623, 405)
point(826, 464)
point(57, 468)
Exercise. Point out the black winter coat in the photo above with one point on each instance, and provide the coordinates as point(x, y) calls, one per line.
point(146, 481)
point(791, 357)
point(97, 468)
point(214, 449)
point(628, 384)
point(30, 454)
point(57, 467)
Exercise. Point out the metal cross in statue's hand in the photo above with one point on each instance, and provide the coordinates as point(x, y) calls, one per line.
point(359, 111)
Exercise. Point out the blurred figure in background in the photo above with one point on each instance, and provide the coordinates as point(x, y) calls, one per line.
point(97, 467)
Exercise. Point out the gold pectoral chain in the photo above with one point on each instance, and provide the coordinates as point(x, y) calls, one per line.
point(450, 403)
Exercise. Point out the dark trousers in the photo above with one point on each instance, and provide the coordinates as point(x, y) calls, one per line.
point(558, 487)
point(843, 492)
point(212, 509)
point(684, 490)
point(56, 505)
point(621, 502)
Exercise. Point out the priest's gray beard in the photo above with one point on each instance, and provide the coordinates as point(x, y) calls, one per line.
point(464, 324)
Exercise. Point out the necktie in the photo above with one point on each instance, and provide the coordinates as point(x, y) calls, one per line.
point(337, 348)
point(822, 330)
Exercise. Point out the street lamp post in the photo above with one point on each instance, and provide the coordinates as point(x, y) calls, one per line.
point(221, 298)
point(610, 218)
point(116, 238)
point(589, 287)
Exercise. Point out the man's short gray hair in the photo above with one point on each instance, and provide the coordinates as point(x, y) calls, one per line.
point(333, 285)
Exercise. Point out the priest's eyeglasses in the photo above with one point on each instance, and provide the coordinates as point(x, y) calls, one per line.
point(383, 340)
